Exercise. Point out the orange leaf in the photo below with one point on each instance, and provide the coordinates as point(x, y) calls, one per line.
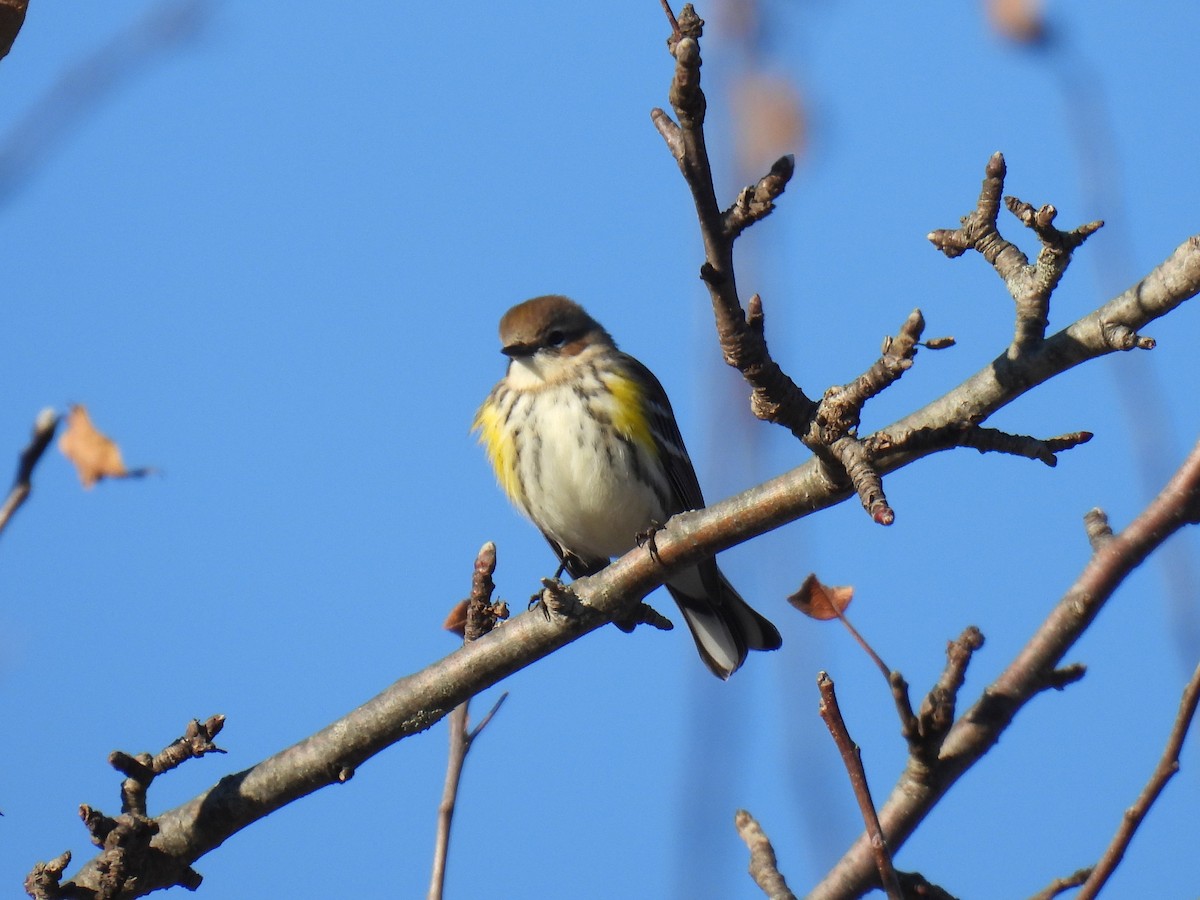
point(94, 454)
point(821, 601)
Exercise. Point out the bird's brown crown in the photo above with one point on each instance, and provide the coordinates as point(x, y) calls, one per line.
point(552, 321)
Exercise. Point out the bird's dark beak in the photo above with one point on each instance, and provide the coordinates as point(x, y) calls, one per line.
point(518, 349)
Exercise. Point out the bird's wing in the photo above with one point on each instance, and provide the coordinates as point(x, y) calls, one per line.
point(685, 488)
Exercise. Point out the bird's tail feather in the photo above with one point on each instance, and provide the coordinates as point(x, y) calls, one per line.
point(723, 625)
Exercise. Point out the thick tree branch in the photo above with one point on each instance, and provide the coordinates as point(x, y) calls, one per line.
point(1172, 282)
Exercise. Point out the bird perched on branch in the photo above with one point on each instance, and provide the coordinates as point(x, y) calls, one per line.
point(584, 443)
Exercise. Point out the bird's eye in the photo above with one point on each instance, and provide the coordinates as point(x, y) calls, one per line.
point(555, 339)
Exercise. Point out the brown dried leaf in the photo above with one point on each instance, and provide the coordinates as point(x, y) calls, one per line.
point(457, 620)
point(94, 454)
point(821, 601)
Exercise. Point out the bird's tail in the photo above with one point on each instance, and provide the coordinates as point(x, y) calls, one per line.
point(724, 626)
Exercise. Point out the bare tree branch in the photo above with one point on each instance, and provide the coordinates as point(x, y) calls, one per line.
point(462, 736)
point(831, 713)
point(1033, 670)
point(481, 617)
point(830, 428)
point(1167, 766)
point(1062, 885)
point(1029, 284)
point(775, 397)
point(926, 731)
point(415, 703)
point(184, 834)
point(128, 863)
point(43, 433)
point(764, 867)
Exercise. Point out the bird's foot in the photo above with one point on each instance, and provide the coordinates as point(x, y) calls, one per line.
point(646, 539)
point(555, 598)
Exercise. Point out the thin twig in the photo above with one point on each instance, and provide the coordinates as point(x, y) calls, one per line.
point(867, 648)
point(480, 619)
point(458, 752)
point(1062, 885)
point(671, 18)
point(852, 759)
point(1167, 766)
point(1030, 284)
point(460, 744)
point(44, 427)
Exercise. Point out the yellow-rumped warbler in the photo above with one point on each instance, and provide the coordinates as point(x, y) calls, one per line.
point(584, 443)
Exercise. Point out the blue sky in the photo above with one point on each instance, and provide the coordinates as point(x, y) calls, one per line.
point(271, 262)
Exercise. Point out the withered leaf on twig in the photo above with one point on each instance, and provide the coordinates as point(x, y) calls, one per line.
point(821, 601)
point(94, 454)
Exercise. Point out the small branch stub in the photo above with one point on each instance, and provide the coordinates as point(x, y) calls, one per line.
point(764, 866)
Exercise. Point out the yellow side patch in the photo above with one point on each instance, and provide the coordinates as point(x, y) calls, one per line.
point(629, 411)
point(498, 444)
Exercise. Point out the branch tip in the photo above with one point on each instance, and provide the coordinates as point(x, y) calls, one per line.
point(764, 865)
point(1060, 678)
point(670, 132)
point(831, 714)
point(45, 424)
point(671, 18)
